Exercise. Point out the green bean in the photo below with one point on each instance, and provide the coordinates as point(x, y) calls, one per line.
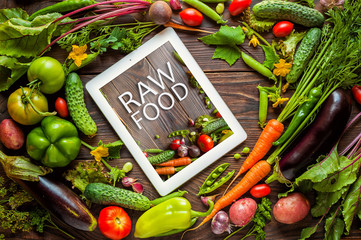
point(263, 106)
point(257, 66)
point(153, 150)
point(206, 10)
point(180, 60)
point(212, 177)
point(64, 6)
point(179, 133)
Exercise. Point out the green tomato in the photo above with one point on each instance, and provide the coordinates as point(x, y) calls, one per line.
point(49, 72)
point(20, 109)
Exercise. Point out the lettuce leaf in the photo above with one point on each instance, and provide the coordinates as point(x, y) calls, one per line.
point(11, 69)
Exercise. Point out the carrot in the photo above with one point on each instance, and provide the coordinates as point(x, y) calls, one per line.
point(182, 27)
point(253, 176)
point(270, 133)
point(165, 170)
point(176, 162)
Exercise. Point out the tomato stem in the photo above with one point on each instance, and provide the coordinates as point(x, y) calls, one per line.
point(28, 100)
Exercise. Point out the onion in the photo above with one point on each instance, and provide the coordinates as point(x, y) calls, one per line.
point(182, 151)
point(175, 5)
point(205, 199)
point(137, 187)
point(128, 181)
point(220, 223)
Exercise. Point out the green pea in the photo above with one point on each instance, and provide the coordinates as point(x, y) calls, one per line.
point(220, 169)
point(222, 179)
point(156, 136)
point(215, 184)
point(127, 167)
point(245, 150)
point(237, 156)
point(209, 183)
point(220, 8)
point(206, 10)
point(214, 175)
point(208, 188)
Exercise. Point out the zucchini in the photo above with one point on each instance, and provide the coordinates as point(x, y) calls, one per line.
point(161, 157)
point(104, 194)
point(212, 126)
point(304, 53)
point(284, 10)
point(77, 109)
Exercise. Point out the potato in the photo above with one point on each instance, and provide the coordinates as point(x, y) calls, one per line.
point(242, 211)
point(291, 209)
point(11, 134)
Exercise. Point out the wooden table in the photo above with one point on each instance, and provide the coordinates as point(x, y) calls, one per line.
point(236, 85)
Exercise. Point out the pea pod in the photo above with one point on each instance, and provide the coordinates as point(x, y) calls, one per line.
point(257, 66)
point(210, 183)
point(178, 133)
point(263, 106)
point(206, 10)
point(302, 112)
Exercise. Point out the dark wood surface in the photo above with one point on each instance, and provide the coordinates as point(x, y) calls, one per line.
point(236, 85)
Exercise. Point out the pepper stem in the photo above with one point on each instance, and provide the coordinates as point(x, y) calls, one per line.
point(28, 100)
point(203, 214)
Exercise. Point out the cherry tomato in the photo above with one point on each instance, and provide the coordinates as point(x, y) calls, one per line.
point(260, 190)
point(282, 29)
point(237, 6)
point(20, 109)
point(61, 107)
point(175, 144)
point(114, 222)
point(191, 17)
point(205, 143)
point(356, 92)
point(218, 115)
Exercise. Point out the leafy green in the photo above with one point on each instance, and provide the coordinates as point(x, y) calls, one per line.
point(334, 226)
point(113, 149)
point(226, 40)
point(11, 69)
point(203, 121)
point(271, 57)
point(288, 46)
point(352, 205)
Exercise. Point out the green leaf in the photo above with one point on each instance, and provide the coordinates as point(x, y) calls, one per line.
point(21, 38)
point(325, 200)
point(334, 227)
point(228, 53)
point(8, 13)
point(225, 36)
point(114, 149)
point(351, 204)
point(271, 56)
point(10, 71)
point(307, 232)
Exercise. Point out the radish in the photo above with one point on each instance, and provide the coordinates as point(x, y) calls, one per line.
point(242, 211)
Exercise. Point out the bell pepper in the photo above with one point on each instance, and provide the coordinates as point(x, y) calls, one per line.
point(55, 142)
point(169, 217)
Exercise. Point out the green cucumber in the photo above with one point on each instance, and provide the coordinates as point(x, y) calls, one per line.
point(104, 194)
point(304, 53)
point(212, 126)
point(161, 157)
point(77, 109)
point(284, 10)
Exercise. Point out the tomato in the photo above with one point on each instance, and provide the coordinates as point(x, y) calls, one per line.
point(218, 115)
point(260, 190)
point(191, 17)
point(61, 107)
point(175, 144)
point(282, 29)
point(205, 143)
point(20, 109)
point(114, 222)
point(49, 72)
point(237, 6)
point(356, 92)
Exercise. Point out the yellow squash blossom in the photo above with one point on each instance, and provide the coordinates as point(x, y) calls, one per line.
point(78, 54)
point(282, 68)
point(254, 41)
point(100, 152)
point(279, 101)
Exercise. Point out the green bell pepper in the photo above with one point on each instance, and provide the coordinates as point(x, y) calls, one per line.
point(55, 143)
point(169, 217)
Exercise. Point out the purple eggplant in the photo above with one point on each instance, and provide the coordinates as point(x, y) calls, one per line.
point(61, 202)
point(320, 136)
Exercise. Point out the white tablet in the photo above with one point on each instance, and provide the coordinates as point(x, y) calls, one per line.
point(147, 95)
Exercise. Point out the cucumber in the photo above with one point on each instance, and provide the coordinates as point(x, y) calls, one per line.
point(104, 194)
point(284, 10)
point(212, 126)
point(304, 53)
point(77, 109)
point(161, 157)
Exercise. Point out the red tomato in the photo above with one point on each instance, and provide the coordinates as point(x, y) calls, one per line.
point(114, 222)
point(260, 190)
point(218, 115)
point(175, 144)
point(356, 92)
point(237, 6)
point(205, 143)
point(191, 17)
point(282, 29)
point(61, 107)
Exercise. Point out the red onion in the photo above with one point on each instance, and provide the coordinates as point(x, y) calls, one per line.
point(175, 5)
point(206, 198)
point(128, 181)
point(137, 187)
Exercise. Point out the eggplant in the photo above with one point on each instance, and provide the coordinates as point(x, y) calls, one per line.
point(320, 136)
point(61, 202)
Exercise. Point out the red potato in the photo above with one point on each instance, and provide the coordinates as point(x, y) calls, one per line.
point(242, 211)
point(11, 134)
point(291, 209)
